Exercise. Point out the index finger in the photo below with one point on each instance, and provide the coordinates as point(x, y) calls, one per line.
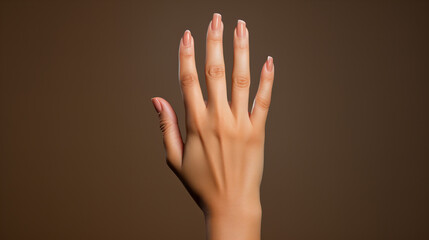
point(188, 76)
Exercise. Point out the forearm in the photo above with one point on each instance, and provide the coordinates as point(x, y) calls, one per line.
point(235, 223)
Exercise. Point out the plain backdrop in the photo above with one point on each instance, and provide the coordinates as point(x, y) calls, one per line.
point(347, 137)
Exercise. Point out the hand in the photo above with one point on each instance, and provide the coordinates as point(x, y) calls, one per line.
point(221, 163)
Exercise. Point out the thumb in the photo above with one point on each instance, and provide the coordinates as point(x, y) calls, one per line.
point(172, 139)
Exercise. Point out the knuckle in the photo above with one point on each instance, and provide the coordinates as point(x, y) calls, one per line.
point(187, 80)
point(241, 81)
point(215, 71)
point(165, 126)
point(223, 132)
point(224, 128)
point(263, 103)
point(214, 38)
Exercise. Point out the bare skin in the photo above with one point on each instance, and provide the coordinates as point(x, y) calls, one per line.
point(221, 161)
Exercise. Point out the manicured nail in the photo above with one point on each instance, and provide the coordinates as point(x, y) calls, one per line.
point(156, 104)
point(187, 38)
point(241, 28)
point(270, 63)
point(216, 21)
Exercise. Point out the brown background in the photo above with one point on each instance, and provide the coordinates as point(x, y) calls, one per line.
point(347, 135)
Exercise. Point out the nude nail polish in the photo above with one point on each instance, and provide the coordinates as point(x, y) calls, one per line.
point(187, 38)
point(216, 21)
point(241, 28)
point(157, 105)
point(270, 63)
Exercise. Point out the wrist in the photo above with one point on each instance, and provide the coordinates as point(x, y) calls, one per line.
point(235, 222)
point(224, 210)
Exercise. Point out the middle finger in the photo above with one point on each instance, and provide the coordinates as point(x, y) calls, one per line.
point(215, 65)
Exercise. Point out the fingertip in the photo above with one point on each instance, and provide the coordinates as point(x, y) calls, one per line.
point(157, 105)
point(187, 38)
point(165, 104)
point(168, 109)
point(267, 72)
point(186, 46)
point(269, 64)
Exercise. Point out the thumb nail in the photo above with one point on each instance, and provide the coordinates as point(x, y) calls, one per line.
point(157, 105)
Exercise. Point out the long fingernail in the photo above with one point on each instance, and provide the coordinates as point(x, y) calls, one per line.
point(187, 38)
point(241, 28)
point(216, 21)
point(157, 105)
point(270, 63)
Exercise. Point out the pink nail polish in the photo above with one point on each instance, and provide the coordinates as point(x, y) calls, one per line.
point(270, 63)
point(187, 38)
point(156, 104)
point(216, 21)
point(241, 28)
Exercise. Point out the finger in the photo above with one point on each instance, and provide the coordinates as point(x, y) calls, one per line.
point(262, 99)
point(215, 65)
point(188, 76)
point(172, 139)
point(241, 70)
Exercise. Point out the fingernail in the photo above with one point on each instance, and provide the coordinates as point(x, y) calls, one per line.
point(241, 28)
point(156, 104)
point(187, 38)
point(216, 21)
point(270, 63)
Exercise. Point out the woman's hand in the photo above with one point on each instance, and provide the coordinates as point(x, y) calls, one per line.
point(221, 162)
